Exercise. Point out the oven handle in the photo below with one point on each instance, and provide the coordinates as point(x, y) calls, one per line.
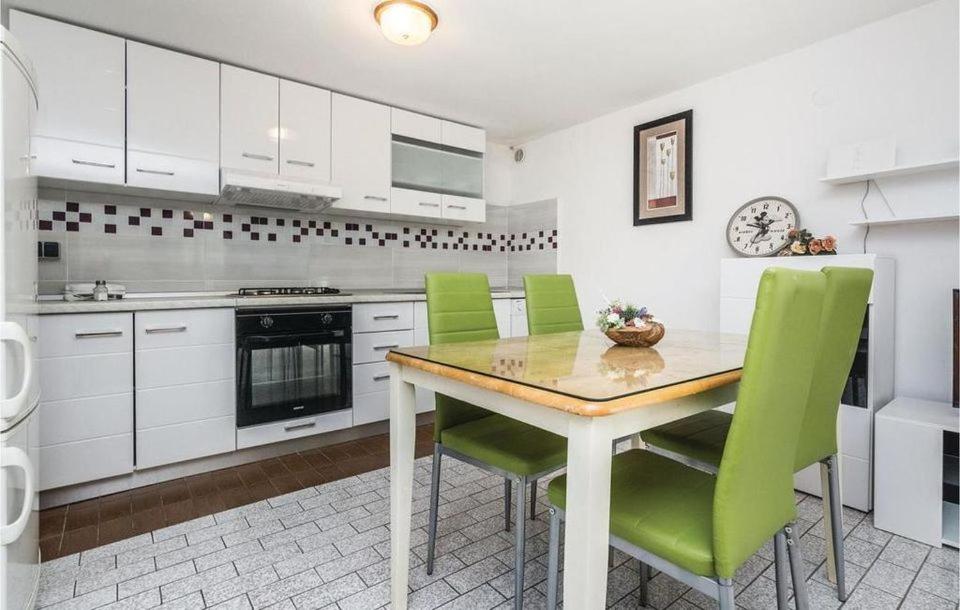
point(300, 339)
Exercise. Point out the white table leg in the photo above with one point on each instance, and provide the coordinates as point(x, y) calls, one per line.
point(587, 515)
point(403, 421)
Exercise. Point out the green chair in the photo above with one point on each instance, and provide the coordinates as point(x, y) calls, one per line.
point(699, 440)
point(552, 305)
point(459, 309)
point(699, 528)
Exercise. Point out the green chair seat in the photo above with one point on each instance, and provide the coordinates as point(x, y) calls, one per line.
point(699, 436)
point(659, 505)
point(507, 444)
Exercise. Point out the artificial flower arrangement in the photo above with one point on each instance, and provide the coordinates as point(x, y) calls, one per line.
point(628, 324)
point(805, 244)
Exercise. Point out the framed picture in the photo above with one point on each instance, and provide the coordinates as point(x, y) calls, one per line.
point(663, 170)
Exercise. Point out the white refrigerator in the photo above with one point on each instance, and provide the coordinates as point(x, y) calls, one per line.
point(19, 389)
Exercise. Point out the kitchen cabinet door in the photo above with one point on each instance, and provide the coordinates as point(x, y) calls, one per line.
point(416, 126)
point(361, 154)
point(79, 131)
point(464, 209)
point(462, 136)
point(304, 131)
point(173, 120)
point(249, 120)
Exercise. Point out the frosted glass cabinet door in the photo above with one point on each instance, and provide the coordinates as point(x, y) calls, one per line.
point(304, 131)
point(249, 114)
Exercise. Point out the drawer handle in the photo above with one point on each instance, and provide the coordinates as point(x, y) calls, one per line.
point(456, 207)
point(93, 163)
point(300, 163)
point(93, 334)
point(158, 172)
point(374, 198)
point(427, 204)
point(383, 347)
point(393, 316)
point(165, 329)
point(247, 155)
point(381, 377)
point(303, 426)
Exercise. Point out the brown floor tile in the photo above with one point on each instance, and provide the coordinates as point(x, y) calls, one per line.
point(273, 467)
point(227, 479)
point(52, 522)
point(209, 504)
point(50, 547)
point(178, 512)
point(286, 483)
point(260, 491)
point(173, 492)
point(148, 520)
point(82, 514)
point(251, 473)
point(147, 498)
point(295, 462)
point(201, 485)
point(116, 506)
point(309, 478)
point(345, 451)
point(115, 529)
point(317, 459)
point(80, 539)
point(363, 464)
point(238, 496)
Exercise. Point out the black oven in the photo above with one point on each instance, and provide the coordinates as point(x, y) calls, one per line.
point(292, 362)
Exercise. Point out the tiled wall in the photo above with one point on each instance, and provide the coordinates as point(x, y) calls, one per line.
point(153, 245)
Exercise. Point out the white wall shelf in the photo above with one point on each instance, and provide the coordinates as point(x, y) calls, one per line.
point(900, 170)
point(904, 220)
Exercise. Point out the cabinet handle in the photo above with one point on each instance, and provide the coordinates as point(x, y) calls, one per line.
point(93, 334)
point(158, 172)
point(292, 427)
point(93, 163)
point(393, 316)
point(381, 377)
point(165, 329)
point(300, 163)
point(456, 207)
point(429, 205)
point(374, 198)
point(257, 157)
point(380, 348)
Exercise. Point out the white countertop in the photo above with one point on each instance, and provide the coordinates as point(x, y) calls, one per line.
point(133, 302)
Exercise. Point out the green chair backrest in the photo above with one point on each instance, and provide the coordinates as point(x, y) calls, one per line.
point(844, 305)
point(459, 308)
point(552, 305)
point(754, 487)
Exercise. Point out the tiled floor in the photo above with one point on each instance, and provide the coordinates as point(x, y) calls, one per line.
point(85, 525)
point(328, 547)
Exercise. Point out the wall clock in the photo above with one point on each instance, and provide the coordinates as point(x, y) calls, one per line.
point(760, 226)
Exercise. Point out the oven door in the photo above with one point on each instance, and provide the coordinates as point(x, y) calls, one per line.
point(286, 376)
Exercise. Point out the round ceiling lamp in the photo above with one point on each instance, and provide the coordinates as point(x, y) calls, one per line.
point(405, 22)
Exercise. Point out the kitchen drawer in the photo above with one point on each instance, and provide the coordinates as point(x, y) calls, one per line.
point(253, 436)
point(369, 378)
point(463, 136)
point(65, 421)
point(373, 347)
point(185, 403)
point(376, 317)
point(85, 376)
point(420, 318)
point(409, 202)
point(187, 441)
point(181, 365)
point(86, 333)
point(413, 125)
point(70, 160)
point(369, 408)
point(465, 209)
point(170, 173)
point(518, 307)
point(157, 329)
point(82, 461)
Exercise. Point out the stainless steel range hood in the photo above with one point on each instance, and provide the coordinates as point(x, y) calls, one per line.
point(271, 191)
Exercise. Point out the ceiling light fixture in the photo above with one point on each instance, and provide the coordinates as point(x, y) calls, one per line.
point(405, 22)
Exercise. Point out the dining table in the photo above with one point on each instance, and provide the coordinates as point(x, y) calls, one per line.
point(579, 385)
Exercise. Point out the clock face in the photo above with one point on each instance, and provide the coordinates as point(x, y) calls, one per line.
point(760, 227)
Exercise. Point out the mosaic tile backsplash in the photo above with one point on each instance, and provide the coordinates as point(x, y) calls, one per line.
point(158, 246)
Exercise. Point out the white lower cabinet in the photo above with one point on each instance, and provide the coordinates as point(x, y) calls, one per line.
point(253, 436)
point(186, 390)
point(371, 393)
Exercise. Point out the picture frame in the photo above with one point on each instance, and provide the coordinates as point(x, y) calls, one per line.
point(663, 170)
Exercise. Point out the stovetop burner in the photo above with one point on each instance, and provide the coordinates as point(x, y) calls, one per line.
point(291, 291)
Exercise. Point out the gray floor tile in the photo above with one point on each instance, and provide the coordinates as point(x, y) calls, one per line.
point(329, 593)
point(481, 598)
point(905, 553)
point(889, 578)
point(374, 597)
point(866, 597)
point(112, 577)
point(918, 599)
point(334, 568)
point(269, 557)
point(197, 582)
point(155, 579)
point(432, 596)
point(92, 599)
point(226, 555)
point(284, 589)
point(228, 589)
point(944, 557)
point(148, 599)
point(183, 528)
point(938, 581)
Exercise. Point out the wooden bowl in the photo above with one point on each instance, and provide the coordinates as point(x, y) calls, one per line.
point(630, 336)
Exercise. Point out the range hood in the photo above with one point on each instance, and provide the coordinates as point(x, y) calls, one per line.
point(271, 191)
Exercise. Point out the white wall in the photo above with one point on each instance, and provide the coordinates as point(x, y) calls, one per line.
point(766, 130)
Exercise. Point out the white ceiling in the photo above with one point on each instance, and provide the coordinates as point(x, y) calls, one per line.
point(520, 68)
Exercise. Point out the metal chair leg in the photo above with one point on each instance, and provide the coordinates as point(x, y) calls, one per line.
point(553, 560)
point(836, 524)
point(644, 584)
point(533, 500)
point(434, 505)
point(507, 493)
point(782, 568)
point(521, 542)
point(796, 569)
point(726, 599)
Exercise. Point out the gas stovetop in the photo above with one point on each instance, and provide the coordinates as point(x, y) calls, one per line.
point(291, 291)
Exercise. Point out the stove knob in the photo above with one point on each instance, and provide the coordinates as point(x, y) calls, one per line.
point(266, 321)
point(327, 318)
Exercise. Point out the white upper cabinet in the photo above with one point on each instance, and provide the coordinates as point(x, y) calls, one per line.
point(361, 154)
point(304, 131)
point(79, 132)
point(461, 136)
point(249, 115)
point(416, 126)
point(173, 120)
